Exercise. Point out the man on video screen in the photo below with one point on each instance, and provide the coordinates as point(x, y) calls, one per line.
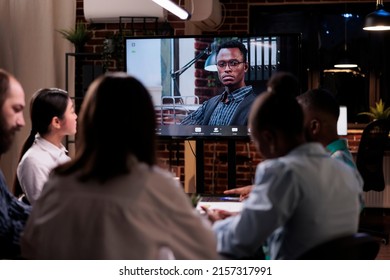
point(232, 106)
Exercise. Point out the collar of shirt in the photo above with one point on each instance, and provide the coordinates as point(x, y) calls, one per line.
point(53, 149)
point(339, 144)
point(309, 148)
point(238, 95)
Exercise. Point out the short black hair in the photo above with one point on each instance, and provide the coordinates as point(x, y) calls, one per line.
point(277, 112)
point(234, 44)
point(284, 83)
point(320, 99)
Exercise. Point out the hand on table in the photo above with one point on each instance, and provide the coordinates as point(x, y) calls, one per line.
point(217, 214)
point(243, 192)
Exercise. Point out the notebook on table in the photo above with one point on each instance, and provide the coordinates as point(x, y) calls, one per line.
point(228, 203)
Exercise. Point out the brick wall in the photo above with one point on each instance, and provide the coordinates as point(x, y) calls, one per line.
point(171, 152)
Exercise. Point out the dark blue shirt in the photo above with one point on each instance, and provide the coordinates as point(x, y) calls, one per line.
point(13, 217)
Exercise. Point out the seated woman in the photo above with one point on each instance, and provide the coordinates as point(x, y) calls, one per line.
point(301, 196)
point(112, 201)
point(52, 118)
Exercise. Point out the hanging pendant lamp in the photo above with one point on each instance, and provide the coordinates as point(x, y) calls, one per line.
point(378, 20)
point(345, 61)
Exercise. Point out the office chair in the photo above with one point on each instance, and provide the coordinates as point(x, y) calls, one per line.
point(369, 159)
point(369, 162)
point(358, 246)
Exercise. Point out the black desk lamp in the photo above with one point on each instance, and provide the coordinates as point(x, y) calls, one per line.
point(175, 74)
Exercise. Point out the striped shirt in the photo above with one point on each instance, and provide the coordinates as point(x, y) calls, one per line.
point(13, 216)
point(224, 112)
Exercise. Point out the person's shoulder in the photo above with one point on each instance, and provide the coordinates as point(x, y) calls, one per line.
point(162, 175)
point(301, 156)
point(34, 156)
point(163, 181)
point(275, 166)
point(251, 93)
point(59, 182)
point(343, 160)
point(210, 100)
point(165, 190)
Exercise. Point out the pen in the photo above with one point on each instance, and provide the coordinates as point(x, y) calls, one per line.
point(229, 198)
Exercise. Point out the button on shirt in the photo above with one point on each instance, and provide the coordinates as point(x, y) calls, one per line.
point(36, 165)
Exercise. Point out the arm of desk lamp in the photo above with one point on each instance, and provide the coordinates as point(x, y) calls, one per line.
point(175, 74)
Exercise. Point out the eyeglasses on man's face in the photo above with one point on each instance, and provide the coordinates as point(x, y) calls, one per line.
point(231, 63)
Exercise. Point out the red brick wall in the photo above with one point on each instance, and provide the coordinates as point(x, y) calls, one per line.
point(236, 20)
point(171, 152)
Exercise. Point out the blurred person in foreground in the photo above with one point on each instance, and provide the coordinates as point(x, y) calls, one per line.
point(285, 83)
point(301, 196)
point(111, 201)
point(13, 213)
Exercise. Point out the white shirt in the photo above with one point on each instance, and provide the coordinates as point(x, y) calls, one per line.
point(130, 217)
point(36, 164)
point(298, 201)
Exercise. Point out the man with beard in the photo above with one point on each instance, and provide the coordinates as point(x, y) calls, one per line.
point(232, 106)
point(13, 213)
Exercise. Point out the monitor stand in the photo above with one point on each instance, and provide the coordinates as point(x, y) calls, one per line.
point(231, 162)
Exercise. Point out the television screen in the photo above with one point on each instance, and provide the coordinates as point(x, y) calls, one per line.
point(181, 74)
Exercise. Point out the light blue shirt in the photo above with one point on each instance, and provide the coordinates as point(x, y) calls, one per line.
point(339, 150)
point(299, 200)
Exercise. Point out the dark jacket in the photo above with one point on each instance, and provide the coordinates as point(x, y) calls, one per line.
point(240, 116)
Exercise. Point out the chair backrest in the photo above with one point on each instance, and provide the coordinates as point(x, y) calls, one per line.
point(369, 159)
point(358, 246)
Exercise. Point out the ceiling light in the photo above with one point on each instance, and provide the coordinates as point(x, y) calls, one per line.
point(345, 61)
point(378, 20)
point(174, 9)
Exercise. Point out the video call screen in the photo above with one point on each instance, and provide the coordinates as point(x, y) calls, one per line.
point(180, 74)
